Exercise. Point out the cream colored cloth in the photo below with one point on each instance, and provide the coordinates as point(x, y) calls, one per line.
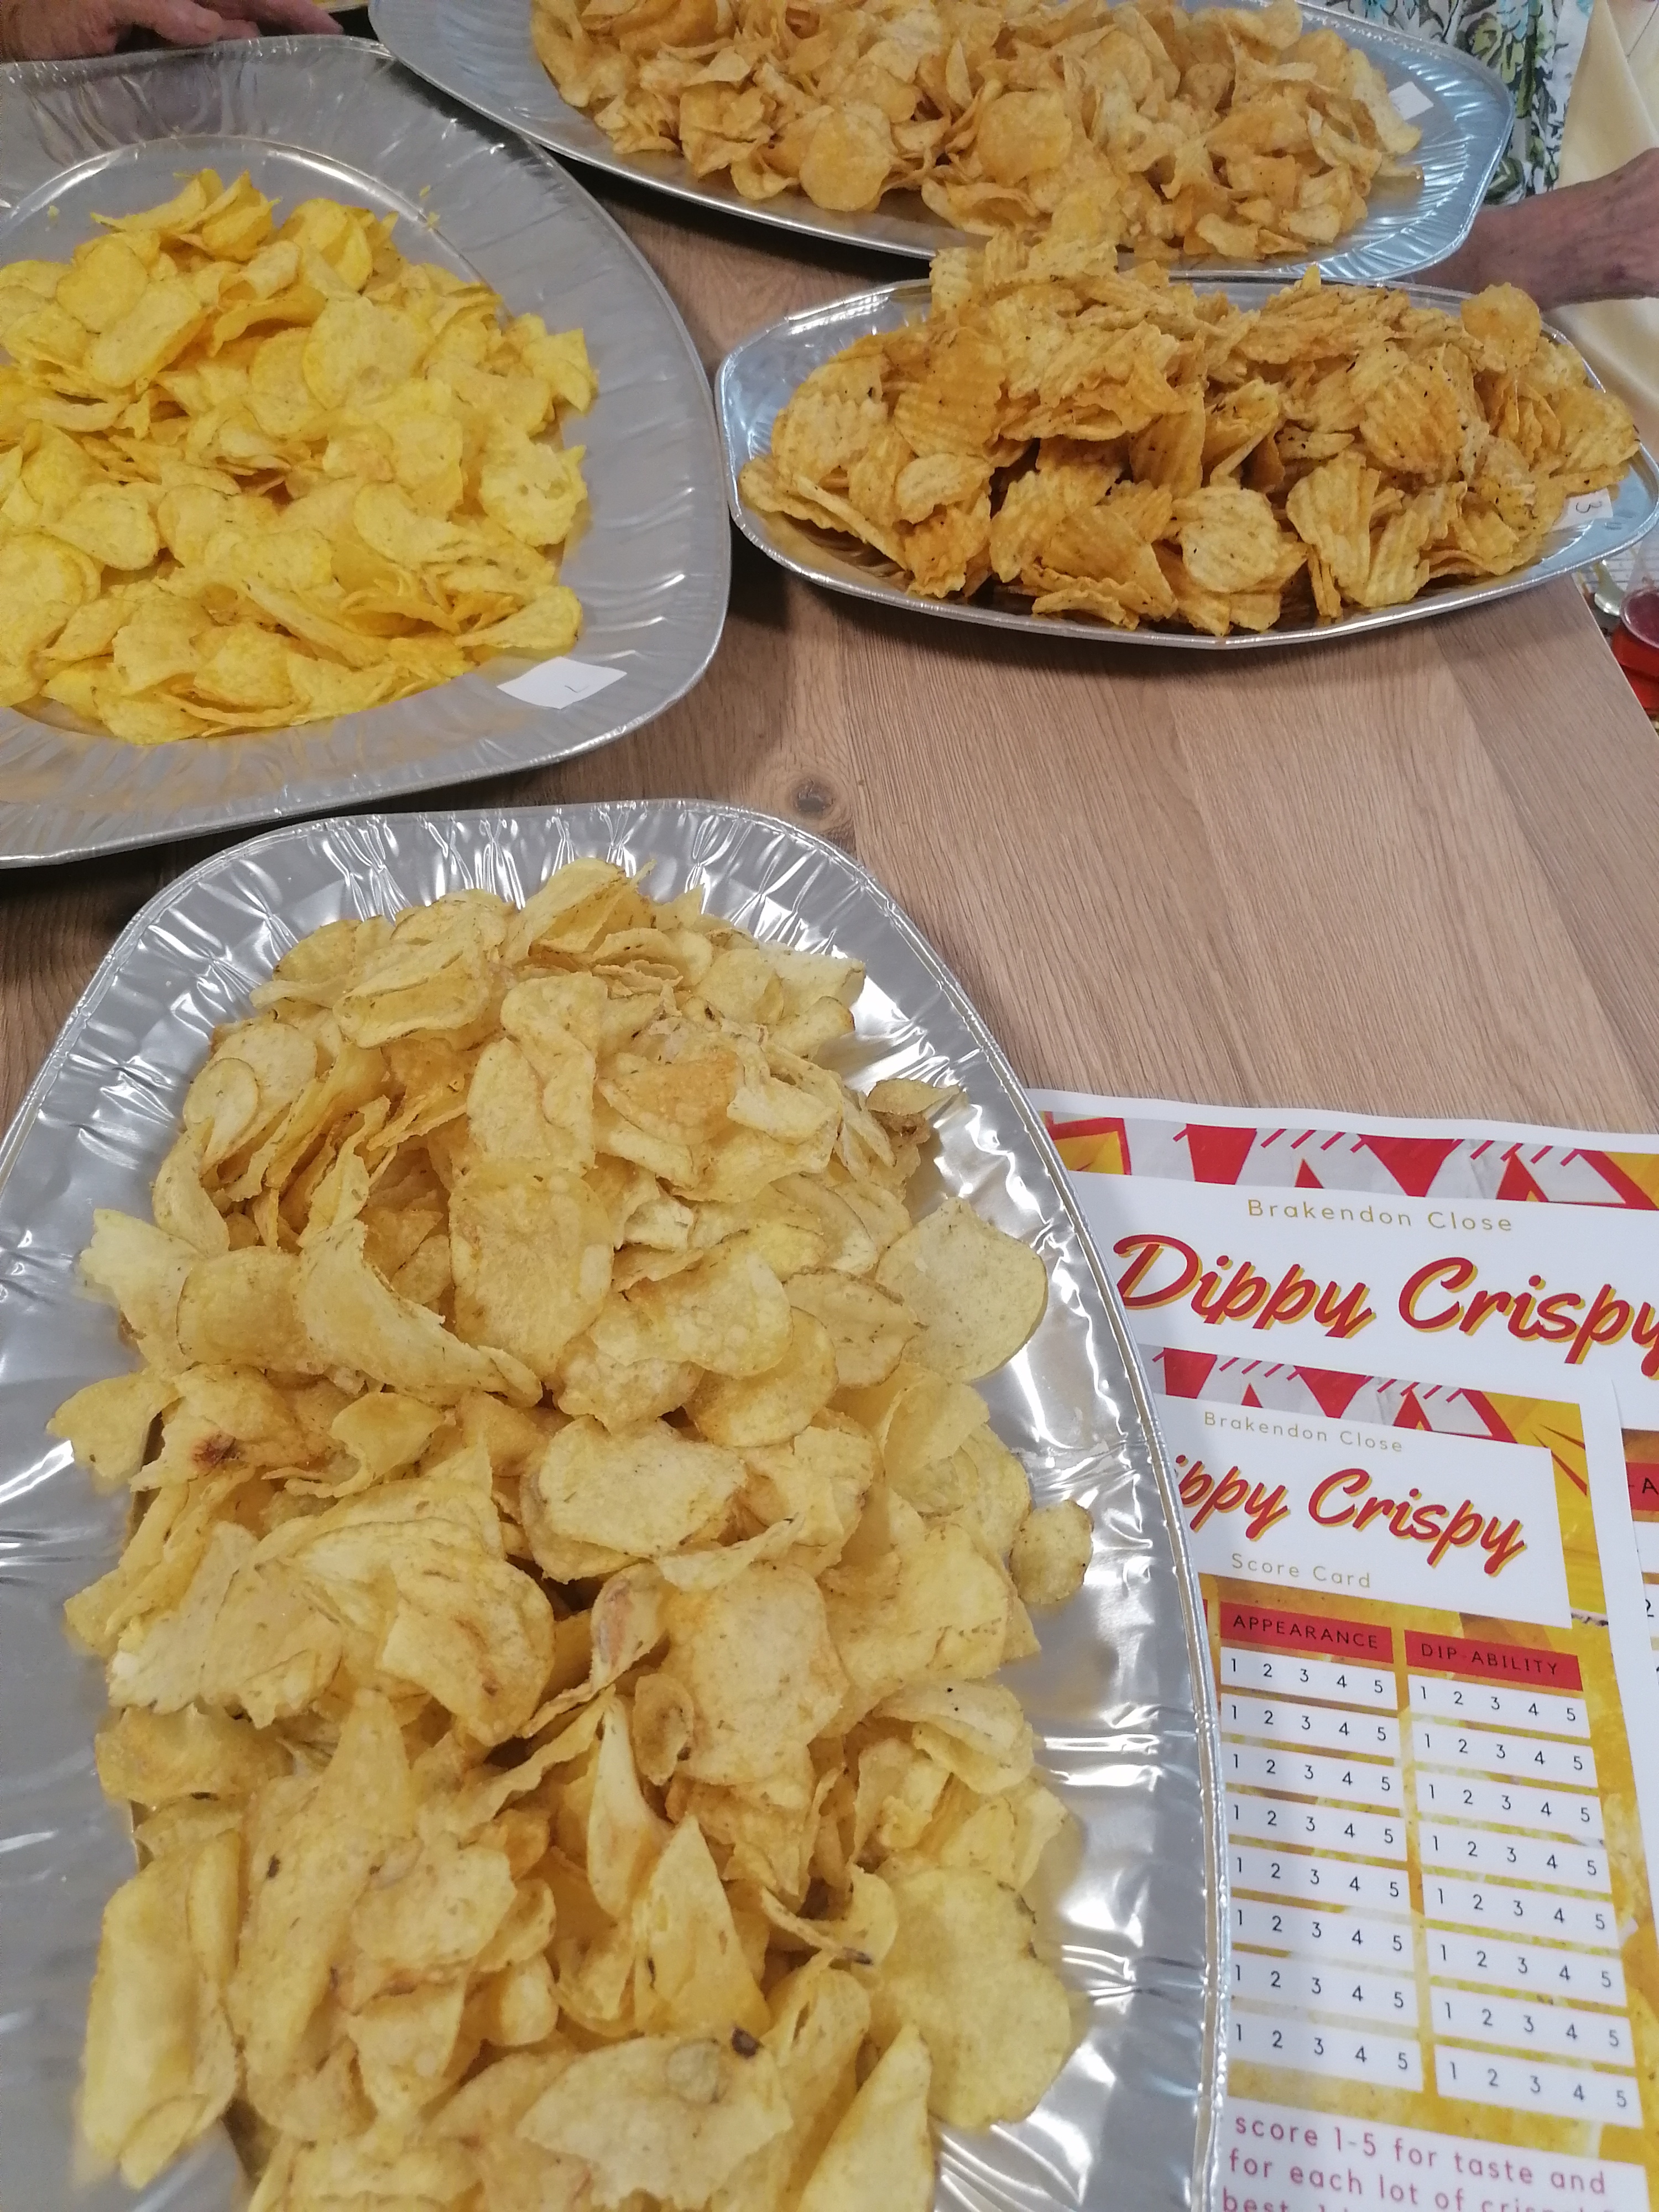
point(1612, 116)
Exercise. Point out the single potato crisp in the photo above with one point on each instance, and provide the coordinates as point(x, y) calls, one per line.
point(254, 475)
point(554, 1660)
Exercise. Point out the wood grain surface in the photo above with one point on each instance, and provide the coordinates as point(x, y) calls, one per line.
point(1414, 874)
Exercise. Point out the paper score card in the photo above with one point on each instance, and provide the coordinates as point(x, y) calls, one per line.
point(1440, 1913)
point(1427, 1623)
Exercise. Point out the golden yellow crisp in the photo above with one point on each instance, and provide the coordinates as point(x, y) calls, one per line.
point(553, 1661)
point(255, 474)
point(1218, 132)
point(1113, 444)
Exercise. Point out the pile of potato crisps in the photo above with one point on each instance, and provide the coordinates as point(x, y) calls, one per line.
point(1118, 445)
point(252, 476)
point(1223, 132)
point(553, 1656)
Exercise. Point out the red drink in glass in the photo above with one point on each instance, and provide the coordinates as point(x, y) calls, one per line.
point(1640, 613)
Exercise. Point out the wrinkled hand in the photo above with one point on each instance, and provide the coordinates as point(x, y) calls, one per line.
point(62, 30)
point(1581, 242)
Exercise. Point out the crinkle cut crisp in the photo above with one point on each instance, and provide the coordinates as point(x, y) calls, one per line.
point(1112, 444)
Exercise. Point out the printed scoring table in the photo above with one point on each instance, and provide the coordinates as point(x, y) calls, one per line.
point(1644, 1505)
point(1341, 1755)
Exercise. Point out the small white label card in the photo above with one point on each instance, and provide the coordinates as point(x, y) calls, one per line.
point(1410, 100)
point(560, 682)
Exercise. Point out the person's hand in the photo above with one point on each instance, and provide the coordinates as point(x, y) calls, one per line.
point(62, 30)
point(1581, 242)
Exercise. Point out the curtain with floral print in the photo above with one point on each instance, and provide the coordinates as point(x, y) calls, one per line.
point(1534, 45)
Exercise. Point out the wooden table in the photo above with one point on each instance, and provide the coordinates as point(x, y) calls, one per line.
point(1415, 875)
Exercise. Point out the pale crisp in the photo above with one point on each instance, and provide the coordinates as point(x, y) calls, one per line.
point(554, 1658)
point(1227, 132)
point(253, 475)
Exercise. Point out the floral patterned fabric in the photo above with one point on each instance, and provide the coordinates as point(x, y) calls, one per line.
point(1534, 45)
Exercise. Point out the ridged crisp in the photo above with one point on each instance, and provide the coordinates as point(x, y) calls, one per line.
point(758, 377)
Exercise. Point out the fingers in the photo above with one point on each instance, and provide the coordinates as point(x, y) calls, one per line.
point(60, 30)
point(40, 30)
point(295, 16)
point(181, 23)
point(191, 23)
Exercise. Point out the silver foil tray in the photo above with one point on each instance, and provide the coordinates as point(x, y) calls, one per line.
point(652, 560)
point(1121, 1697)
point(758, 377)
point(480, 52)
